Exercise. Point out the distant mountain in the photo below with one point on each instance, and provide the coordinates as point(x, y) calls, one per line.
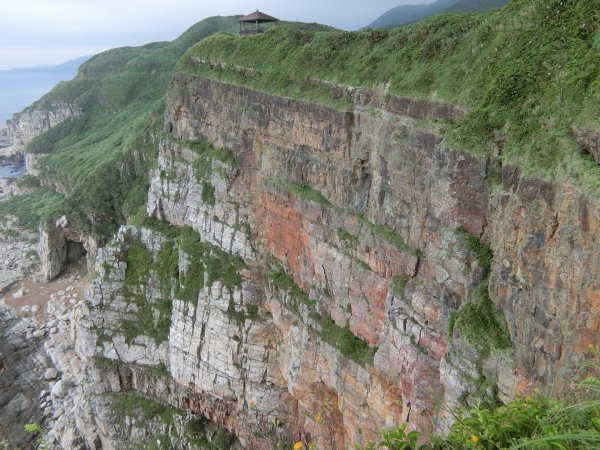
point(463, 6)
point(20, 87)
point(65, 68)
point(403, 14)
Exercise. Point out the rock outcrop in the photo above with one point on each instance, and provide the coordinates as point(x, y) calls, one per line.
point(60, 245)
point(318, 274)
point(23, 127)
point(342, 284)
point(17, 253)
point(22, 365)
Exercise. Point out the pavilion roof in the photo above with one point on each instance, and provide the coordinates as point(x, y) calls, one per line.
point(258, 17)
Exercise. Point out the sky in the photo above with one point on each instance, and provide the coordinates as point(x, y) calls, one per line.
point(37, 33)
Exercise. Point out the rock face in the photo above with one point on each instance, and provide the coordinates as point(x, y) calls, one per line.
point(320, 274)
point(23, 127)
point(59, 245)
point(17, 254)
point(22, 364)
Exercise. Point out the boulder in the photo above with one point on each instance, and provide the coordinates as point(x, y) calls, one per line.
point(38, 333)
point(60, 389)
point(50, 374)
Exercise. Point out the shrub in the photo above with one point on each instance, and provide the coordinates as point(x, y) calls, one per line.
point(533, 422)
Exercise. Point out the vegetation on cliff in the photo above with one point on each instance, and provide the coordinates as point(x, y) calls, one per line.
point(527, 74)
point(299, 303)
point(530, 422)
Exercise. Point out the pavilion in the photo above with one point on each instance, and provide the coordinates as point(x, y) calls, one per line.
point(254, 19)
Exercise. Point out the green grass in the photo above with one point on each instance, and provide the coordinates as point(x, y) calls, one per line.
point(167, 265)
point(481, 324)
point(389, 235)
point(31, 209)
point(349, 240)
point(483, 254)
point(207, 152)
point(145, 409)
point(347, 343)
point(140, 263)
point(302, 190)
point(204, 165)
point(399, 284)
point(529, 72)
point(198, 431)
point(531, 422)
point(208, 193)
point(207, 264)
point(308, 193)
point(28, 181)
point(208, 259)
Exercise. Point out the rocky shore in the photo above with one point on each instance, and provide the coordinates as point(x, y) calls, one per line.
point(35, 339)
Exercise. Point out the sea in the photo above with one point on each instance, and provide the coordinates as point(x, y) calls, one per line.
point(12, 171)
point(19, 88)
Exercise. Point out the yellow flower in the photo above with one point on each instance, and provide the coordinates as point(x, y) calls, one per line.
point(319, 418)
point(474, 439)
point(298, 445)
point(590, 346)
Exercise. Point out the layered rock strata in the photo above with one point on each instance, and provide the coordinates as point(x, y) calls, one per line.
point(319, 274)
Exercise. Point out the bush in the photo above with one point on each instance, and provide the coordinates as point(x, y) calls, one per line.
point(533, 422)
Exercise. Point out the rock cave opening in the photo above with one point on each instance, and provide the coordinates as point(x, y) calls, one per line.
point(76, 255)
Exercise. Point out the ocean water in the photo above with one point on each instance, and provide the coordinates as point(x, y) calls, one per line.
point(12, 171)
point(19, 88)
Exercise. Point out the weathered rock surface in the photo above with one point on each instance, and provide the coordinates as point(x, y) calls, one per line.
point(22, 365)
point(23, 127)
point(359, 235)
point(60, 245)
point(18, 256)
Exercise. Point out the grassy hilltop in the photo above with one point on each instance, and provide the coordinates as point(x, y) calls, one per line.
point(528, 72)
point(101, 160)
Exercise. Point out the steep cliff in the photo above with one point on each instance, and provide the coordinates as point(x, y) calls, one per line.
point(27, 125)
point(322, 259)
point(346, 268)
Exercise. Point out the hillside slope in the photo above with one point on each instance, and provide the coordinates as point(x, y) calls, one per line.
point(403, 14)
point(98, 161)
